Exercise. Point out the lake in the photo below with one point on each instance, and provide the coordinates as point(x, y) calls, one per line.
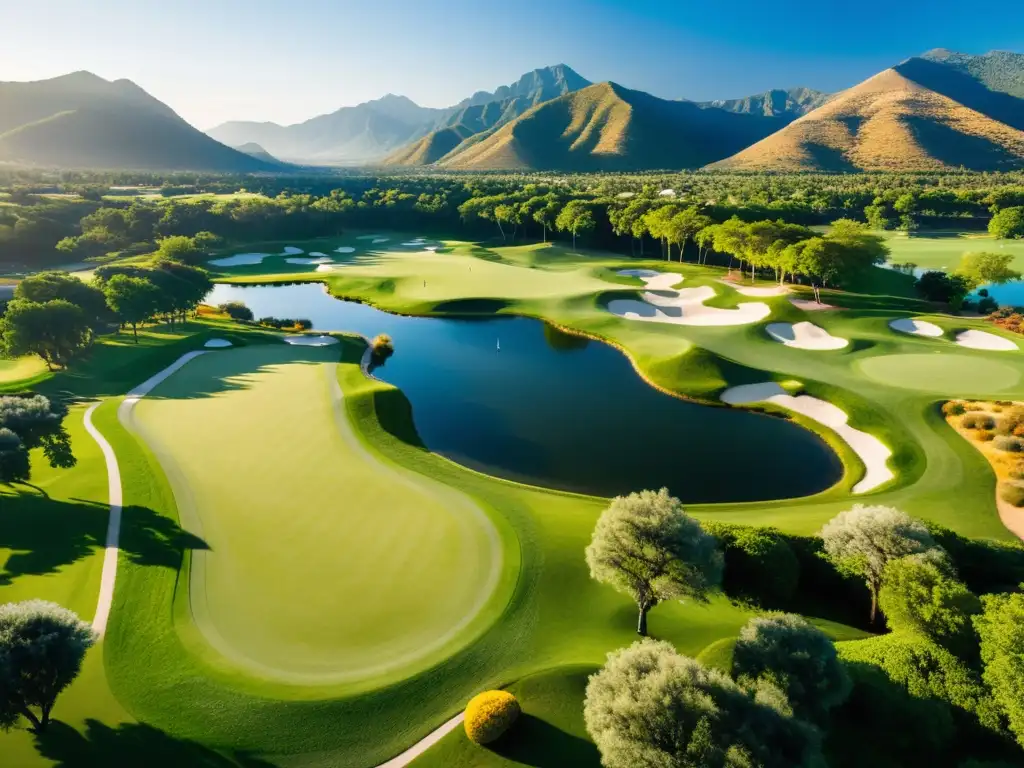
point(560, 411)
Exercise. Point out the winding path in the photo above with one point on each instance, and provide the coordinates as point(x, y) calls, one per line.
point(114, 493)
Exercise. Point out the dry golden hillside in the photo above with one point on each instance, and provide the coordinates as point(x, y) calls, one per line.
point(888, 122)
point(607, 127)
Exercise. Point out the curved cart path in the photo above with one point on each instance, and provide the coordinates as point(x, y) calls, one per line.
point(114, 494)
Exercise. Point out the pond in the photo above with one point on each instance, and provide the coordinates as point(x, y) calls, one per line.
point(516, 398)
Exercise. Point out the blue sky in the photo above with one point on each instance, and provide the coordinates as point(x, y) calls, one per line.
point(214, 60)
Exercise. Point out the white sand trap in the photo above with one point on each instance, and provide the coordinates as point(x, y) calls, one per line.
point(345, 249)
point(804, 336)
point(291, 250)
point(809, 306)
point(916, 327)
point(381, 240)
point(217, 344)
point(327, 267)
point(985, 340)
point(311, 341)
point(757, 290)
point(317, 253)
point(240, 260)
point(869, 449)
point(683, 306)
point(303, 260)
point(412, 244)
point(431, 247)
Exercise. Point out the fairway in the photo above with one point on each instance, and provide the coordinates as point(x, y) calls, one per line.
point(322, 564)
point(943, 251)
point(945, 372)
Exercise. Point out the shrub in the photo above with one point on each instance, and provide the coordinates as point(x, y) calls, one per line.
point(984, 436)
point(1017, 473)
point(382, 346)
point(760, 566)
point(1012, 494)
point(236, 310)
point(489, 715)
point(1009, 444)
point(974, 407)
point(953, 408)
point(978, 421)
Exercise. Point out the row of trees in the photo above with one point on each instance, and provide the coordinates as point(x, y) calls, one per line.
point(952, 660)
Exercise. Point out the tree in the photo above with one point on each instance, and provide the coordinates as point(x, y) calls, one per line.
point(877, 216)
point(658, 222)
point(862, 540)
point(546, 217)
point(982, 268)
point(47, 286)
point(236, 310)
point(1007, 223)
point(649, 707)
point(1001, 629)
point(41, 650)
point(133, 299)
point(917, 595)
point(55, 330)
point(795, 656)
point(576, 218)
point(938, 286)
point(29, 422)
point(184, 287)
point(684, 226)
point(645, 546)
point(178, 248)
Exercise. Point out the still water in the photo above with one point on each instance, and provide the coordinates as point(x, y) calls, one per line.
point(560, 411)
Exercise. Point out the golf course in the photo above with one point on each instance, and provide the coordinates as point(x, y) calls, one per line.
point(324, 554)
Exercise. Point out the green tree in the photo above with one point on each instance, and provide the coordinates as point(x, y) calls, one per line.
point(938, 286)
point(1007, 223)
point(862, 540)
point(649, 706)
point(55, 330)
point(645, 546)
point(133, 299)
point(577, 218)
point(47, 286)
point(546, 216)
point(919, 595)
point(236, 310)
point(29, 422)
point(685, 225)
point(876, 215)
point(1001, 629)
point(795, 656)
point(41, 650)
point(984, 268)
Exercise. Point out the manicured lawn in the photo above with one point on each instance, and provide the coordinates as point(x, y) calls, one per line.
point(321, 564)
point(942, 250)
point(942, 372)
point(21, 369)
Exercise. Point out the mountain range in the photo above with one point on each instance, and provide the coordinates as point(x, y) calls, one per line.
point(940, 110)
point(83, 121)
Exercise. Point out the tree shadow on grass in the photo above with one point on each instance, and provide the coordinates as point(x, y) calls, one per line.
point(538, 743)
point(45, 534)
point(131, 744)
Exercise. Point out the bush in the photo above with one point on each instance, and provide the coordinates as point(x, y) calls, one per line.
point(236, 310)
point(489, 715)
point(974, 407)
point(1017, 473)
point(953, 408)
point(984, 436)
point(1012, 494)
point(760, 566)
point(1009, 444)
point(977, 421)
point(987, 305)
point(1010, 421)
point(382, 345)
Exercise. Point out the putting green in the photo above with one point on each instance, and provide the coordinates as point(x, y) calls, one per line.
point(945, 372)
point(323, 564)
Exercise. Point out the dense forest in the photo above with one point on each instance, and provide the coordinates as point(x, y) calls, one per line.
point(48, 220)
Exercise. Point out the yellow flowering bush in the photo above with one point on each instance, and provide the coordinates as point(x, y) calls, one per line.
point(490, 714)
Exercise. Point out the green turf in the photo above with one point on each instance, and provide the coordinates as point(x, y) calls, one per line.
point(941, 372)
point(321, 563)
point(943, 250)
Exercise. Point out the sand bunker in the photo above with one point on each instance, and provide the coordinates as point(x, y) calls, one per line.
point(413, 244)
point(345, 249)
point(240, 260)
point(217, 344)
point(291, 250)
point(872, 451)
point(757, 290)
point(304, 260)
point(310, 341)
point(683, 306)
point(916, 327)
point(985, 340)
point(804, 336)
point(809, 306)
point(327, 267)
point(431, 247)
point(381, 240)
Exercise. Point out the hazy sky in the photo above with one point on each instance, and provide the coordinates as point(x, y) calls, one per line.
point(286, 61)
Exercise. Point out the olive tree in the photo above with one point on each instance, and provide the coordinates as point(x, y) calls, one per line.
point(918, 595)
point(650, 707)
point(1001, 629)
point(41, 650)
point(645, 546)
point(54, 330)
point(862, 540)
point(795, 656)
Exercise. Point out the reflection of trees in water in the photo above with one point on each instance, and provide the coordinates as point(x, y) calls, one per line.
point(561, 341)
